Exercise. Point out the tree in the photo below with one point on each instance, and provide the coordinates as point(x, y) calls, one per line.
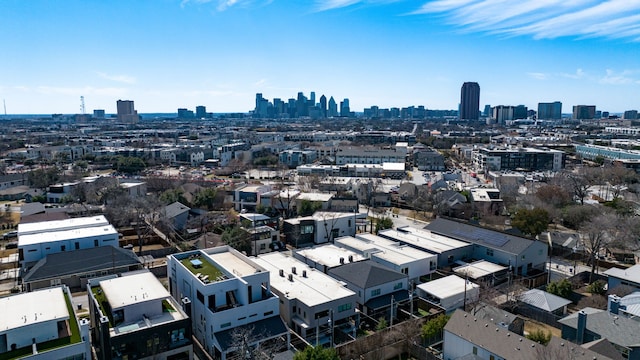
point(205, 198)
point(597, 288)
point(308, 207)
point(433, 328)
point(561, 288)
point(577, 182)
point(553, 195)
point(316, 353)
point(384, 223)
point(129, 164)
point(531, 222)
point(540, 336)
point(382, 324)
point(42, 178)
point(238, 238)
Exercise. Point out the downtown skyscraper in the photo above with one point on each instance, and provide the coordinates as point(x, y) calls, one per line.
point(470, 101)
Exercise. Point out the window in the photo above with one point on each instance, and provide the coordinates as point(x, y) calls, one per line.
point(95, 243)
point(490, 252)
point(306, 229)
point(475, 350)
point(344, 307)
point(375, 292)
point(397, 286)
point(432, 265)
point(522, 257)
point(268, 313)
point(200, 296)
point(225, 325)
point(62, 248)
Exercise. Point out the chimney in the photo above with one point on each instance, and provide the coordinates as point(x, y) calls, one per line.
point(582, 327)
point(304, 273)
point(613, 305)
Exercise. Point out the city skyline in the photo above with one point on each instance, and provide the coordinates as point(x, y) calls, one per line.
point(179, 54)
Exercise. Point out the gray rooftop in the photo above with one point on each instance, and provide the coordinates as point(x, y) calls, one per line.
point(366, 274)
point(543, 300)
point(479, 235)
point(618, 329)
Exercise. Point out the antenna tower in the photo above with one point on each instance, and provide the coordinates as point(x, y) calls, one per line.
point(82, 105)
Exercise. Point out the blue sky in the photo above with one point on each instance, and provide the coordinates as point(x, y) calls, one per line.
point(166, 54)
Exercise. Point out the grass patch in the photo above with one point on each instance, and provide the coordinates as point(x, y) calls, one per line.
point(206, 269)
point(103, 303)
point(51, 344)
point(167, 307)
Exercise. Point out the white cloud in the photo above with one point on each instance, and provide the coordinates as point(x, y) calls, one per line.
point(612, 77)
point(222, 5)
point(324, 5)
point(118, 78)
point(260, 83)
point(538, 76)
point(543, 18)
point(579, 74)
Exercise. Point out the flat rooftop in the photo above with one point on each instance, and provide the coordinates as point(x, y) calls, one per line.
point(478, 269)
point(329, 255)
point(390, 245)
point(424, 239)
point(61, 235)
point(32, 308)
point(60, 225)
point(133, 289)
point(233, 263)
point(447, 286)
point(314, 289)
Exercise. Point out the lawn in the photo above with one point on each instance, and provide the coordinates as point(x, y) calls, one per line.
point(205, 269)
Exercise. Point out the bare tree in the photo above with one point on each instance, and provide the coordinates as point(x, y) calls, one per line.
point(577, 182)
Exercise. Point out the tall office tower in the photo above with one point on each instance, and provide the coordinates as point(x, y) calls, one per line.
point(126, 111)
point(259, 99)
point(278, 107)
point(470, 101)
point(502, 113)
point(301, 105)
point(201, 112)
point(344, 108)
point(291, 107)
point(584, 112)
point(312, 98)
point(323, 106)
point(550, 111)
point(333, 107)
point(487, 110)
point(520, 112)
point(631, 115)
point(98, 114)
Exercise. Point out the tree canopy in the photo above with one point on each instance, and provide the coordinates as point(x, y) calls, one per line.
point(316, 353)
point(531, 222)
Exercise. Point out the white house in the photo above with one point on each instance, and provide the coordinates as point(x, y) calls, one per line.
point(228, 293)
point(39, 239)
point(450, 292)
point(311, 303)
point(40, 321)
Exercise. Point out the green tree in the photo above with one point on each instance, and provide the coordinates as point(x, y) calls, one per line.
point(308, 207)
point(173, 195)
point(540, 336)
point(316, 353)
point(129, 164)
point(531, 222)
point(561, 288)
point(382, 324)
point(384, 223)
point(597, 287)
point(42, 178)
point(434, 327)
point(205, 198)
point(237, 238)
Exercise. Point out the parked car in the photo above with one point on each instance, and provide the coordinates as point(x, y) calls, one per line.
point(9, 235)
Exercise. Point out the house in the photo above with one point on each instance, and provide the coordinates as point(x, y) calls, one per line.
point(39, 239)
point(247, 197)
point(134, 189)
point(177, 215)
point(42, 325)
point(486, 201)
point(310, 202)
point(623, 277)
point(133, 316)
point(591, 324)
point(58, 192)
point(64, 267)
point(263, 239)
point(319, 228)
point(450, 292)
point(427, 159)
point(376, 287)
point(518, 253)
point(228, 293)
point(405, 259)
point(483, 271)
point(543, 301)
point(312, 303)
point(448, 250)
point(326, 257)
point(469, 337)
point(486, 312)
point(628, 305)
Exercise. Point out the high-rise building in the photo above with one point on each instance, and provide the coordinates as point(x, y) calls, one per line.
point(470, 101)
point(502, 114)
point(345, 110)
point(584, 112)
point(185, 113)
point(126, 111)
point(201, 112)
point(487, 110)
point(312, 98)
point(301, 105)
point(520, 112)
point(333, 108)
point(323, 106)
point(631, 115)
point(550, 111)
point(98, 114)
